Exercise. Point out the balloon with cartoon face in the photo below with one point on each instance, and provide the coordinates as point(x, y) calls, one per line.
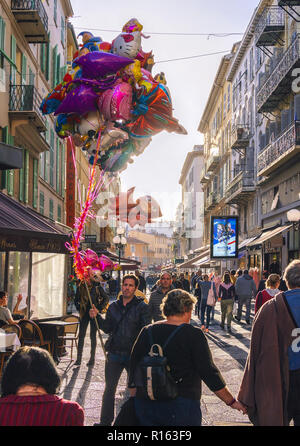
point(127, 44)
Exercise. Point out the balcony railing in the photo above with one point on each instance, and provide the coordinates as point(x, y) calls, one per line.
point(24, 101)
point(282, 149)
point(240, 137)
point(32, 19)
point(279, 81)
point(269, 27)
point(211, 201)
point(241, 187)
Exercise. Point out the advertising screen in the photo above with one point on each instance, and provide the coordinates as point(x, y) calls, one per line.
point(224, 237)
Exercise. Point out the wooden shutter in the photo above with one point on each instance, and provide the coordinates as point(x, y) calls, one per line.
point(54, 66)
point(62, 184)
point(51, 166)
point(51, 209)
point(24, 70)
point(26, 177)
point(2, 34)
point(58, 166)
point(35, 184)
point(13, 55)
point(42, 203)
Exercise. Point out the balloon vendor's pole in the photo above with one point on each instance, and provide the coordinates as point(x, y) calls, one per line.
point(96, 322)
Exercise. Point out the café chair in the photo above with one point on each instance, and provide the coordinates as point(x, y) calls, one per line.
point(32, 335)
point(8, 328)
point(70, 333)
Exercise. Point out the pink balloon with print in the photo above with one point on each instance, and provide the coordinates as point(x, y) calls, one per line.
point(116, 103)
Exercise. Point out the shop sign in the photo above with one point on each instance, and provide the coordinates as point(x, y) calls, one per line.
point(27, 244)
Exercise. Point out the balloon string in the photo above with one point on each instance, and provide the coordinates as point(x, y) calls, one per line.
point(75, 167)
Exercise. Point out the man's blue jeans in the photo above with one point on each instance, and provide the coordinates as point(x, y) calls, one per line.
point(177, 412)
point(204, 307)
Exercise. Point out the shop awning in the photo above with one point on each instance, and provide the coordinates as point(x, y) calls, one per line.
point(203, 261)
point(192, 263)
point(23, 229)
point(246, 242)
point(10, 157)
point(268, 235)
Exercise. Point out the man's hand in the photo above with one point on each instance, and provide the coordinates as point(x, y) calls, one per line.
point(19, 298)
point(93, 312)
point(239, 406)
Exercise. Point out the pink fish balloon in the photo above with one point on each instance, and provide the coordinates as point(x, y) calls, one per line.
point(116, 103)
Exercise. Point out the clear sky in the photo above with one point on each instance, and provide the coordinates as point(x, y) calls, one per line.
point(157, 171)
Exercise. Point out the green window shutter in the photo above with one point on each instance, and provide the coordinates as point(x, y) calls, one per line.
point(54, 66)
point(21, 179)
point(2, 34)
point(48, 59)
point(35, 184)
point(62, 184)
point(43, 57)
point(55, 12)
point(59, 213)
point(4, 175)
point(42, 203)
point(26, 176)
point(51, 166)
point(58, 166)
point(24, 70)
point(13, 55)
point(51, 209)
point(58, 80)
point(31, 77)
point(42, 165)
point(63, 27)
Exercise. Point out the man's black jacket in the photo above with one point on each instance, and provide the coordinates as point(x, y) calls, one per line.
point(123, 338)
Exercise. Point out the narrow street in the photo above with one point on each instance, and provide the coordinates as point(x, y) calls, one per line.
point(86, 384)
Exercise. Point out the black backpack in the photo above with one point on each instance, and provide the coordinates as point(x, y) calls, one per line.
point(154, 379)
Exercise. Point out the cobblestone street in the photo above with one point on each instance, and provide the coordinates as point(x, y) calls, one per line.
point(86, 384)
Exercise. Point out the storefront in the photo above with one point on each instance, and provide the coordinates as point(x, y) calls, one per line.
point(293, 244)
point(33, 260)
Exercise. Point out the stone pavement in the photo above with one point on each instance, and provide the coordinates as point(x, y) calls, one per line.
point(86, 384)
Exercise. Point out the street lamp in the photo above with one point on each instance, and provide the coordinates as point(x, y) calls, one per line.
point(294, 217)
point(119, 241)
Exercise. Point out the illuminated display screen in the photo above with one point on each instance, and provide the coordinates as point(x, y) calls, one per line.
point(224, 237)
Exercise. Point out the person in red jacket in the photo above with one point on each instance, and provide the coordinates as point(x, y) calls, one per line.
point(272, 284)
point(28, 392)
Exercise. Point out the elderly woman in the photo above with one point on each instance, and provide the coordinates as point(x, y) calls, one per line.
point(29, 383)
point(190, 362)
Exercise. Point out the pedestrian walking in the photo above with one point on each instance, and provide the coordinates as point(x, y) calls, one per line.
point(206, 285)
point(142, 282)
point(185, 283)
point(262, 283)
point(124, 320)
point(226, 297)
point(189, 360)
point(100, 299)
point(245, 289)
point(113, 288)
point(272, 285)
point(157, 296)
point(29, 385)
point(270, 386)
point(217, 279)
point(176, 282)
point(197, 291)
point(233, 276)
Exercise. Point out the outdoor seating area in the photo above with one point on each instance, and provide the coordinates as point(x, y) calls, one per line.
point(53, 335)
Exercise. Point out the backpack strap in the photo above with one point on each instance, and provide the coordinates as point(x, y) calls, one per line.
point(168, 339)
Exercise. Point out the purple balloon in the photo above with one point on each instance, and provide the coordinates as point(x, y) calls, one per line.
point(80, 100)
point(98, 64)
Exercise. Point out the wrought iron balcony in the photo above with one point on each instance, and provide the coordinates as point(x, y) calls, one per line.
point(204, 177)
point(24, 103)
point(240, 189)
point(279, 151)
point(288, 3)
point(212, 163)
point(269, 27)
point(240, 137)
point(278, 83)
point(211, 201)
point(32, 18)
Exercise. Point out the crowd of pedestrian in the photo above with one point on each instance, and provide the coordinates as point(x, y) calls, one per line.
point(270, 387)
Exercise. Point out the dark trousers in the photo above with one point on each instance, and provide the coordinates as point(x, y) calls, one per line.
point(114, 367)
point(84, 322)
point(205, 308)
point(178, 412)
point(294, 397)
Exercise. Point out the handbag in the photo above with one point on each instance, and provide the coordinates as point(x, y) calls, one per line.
point(211, 301)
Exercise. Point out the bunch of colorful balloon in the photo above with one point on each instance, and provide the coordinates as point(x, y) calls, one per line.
point(110, 90)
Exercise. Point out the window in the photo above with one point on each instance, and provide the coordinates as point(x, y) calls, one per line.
point(62, 26)
point(51, 209)
point(51, 165)
point(55, 12)
point(42, 203)
point(35, 183)
point(59, 213)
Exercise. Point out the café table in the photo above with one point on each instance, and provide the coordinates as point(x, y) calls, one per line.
point(52, 330)
point(9, 341)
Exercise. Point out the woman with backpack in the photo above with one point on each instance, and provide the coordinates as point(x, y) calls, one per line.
point(174, 400)
point(226, 297)
point(272, 285)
